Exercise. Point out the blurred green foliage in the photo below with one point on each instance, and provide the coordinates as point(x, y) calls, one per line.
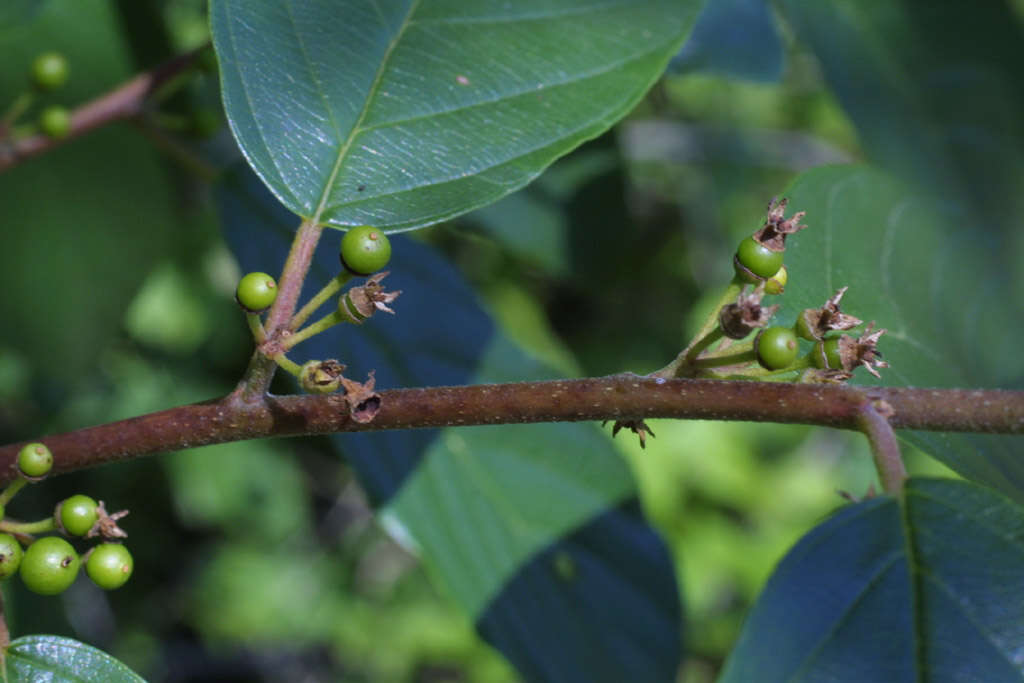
point(261, 561)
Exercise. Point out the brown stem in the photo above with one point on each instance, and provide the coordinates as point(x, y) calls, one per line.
point(618, 397)
point(256, 380)
point(123, 102)
point(874, 422)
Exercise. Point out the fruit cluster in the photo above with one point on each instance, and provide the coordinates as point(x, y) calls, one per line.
point(364, 252)
point(50, 564)
point(719, 349)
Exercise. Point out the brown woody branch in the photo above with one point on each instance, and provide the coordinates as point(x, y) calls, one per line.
point(617, 397)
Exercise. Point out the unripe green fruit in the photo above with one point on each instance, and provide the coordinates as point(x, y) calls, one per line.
point(803, 327)
point(256, 292)
point(365, 250)
point(78, 514)
point(776, 284)
point(35, 460)
point(109, 565)
point(758, 259)
point(55, 122)
point(776, 347)
point(49, 71)
point(826, 354)
point(49, 566)
point(10, 555)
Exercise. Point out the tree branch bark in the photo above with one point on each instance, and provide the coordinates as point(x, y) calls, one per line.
point(617, 397)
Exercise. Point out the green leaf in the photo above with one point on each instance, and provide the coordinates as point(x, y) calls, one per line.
point(919, 271)
point(926, 588)
point(935, 90)
point(406, 113)
point(63, 660)
point(736, 39)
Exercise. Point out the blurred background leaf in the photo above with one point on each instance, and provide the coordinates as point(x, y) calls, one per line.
point(912, 269)
point(734, 38)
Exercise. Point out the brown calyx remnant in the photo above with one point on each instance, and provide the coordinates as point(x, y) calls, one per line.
point(745, 315)
point(820, 321)
point(862, 351)
point(773, 233)
point(638, 427)
point(363, 301)
point(106, 524)
point(363, 401)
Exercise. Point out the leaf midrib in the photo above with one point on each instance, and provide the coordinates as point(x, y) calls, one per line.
point(354, 131)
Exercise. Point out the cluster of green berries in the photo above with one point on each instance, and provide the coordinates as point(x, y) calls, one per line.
point(759, 261)
point(50, 71)
point(364, 250)
point(50, 564)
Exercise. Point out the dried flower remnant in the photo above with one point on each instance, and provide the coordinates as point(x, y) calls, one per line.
point(745, 315)
point(638, 427)
point(776, 227)
point(359, 303)
point(814, 323)
point(363, 401)
point(106, 523)
point(862, 351)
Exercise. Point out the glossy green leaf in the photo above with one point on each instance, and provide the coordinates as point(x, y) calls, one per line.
point(404, 113)
point(920, 271)
point(63, 660)
point(925, 589)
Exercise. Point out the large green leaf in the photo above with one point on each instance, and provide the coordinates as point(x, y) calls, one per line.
point(924, 589)
point(404, 113)
point(62, 660)
point(921, 272)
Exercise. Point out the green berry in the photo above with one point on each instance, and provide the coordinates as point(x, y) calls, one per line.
point(35, 460)
point(803, 326)
point(758, 259)
point(55, 122)
point(49, 71)
point(10, 555)
point(109, 565)
point(776, 347)
point(78, 514)
point(256, 292)
point(776, 284)
point(50, 565)
point(826, 354)
point(365, 250)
